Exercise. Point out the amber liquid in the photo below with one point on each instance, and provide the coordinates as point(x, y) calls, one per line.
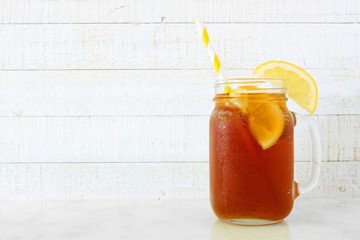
point(247, 182)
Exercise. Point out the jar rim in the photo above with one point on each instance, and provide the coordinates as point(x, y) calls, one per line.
point(250, 86)
point(271, 82)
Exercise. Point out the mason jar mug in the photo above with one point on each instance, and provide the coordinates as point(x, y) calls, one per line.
point(252, 152)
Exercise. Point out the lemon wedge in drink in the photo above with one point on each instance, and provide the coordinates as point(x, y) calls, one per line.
point(266, 119)
point(301, 87)
point(266, 122)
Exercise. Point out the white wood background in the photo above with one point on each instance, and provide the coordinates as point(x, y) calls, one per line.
point(111, 99)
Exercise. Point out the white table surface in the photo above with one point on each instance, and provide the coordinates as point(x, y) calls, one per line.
point(170, 219)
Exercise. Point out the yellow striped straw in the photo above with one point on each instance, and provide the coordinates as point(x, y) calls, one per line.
point(214, 58)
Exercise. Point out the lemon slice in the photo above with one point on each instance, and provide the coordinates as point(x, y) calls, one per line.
point(240, 91)
point(301, 87)
point(266, 122)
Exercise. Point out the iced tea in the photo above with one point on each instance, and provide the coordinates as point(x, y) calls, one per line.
point(251, 157)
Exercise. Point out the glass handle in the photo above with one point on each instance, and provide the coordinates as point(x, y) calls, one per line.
point(311, 182)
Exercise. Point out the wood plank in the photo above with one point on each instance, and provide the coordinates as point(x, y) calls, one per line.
point(145, 181)
point(176, 46)
point(147, 92)
point(247, 11)
point(159, 11)
point(148, 139)
point(59, 11)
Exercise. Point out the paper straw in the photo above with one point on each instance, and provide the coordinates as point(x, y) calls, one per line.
point(210, 49)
